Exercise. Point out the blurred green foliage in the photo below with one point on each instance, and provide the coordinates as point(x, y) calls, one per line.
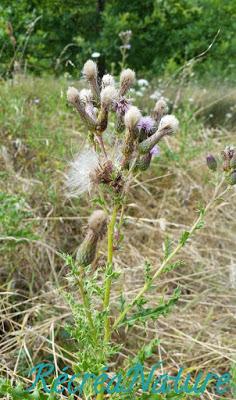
point(57, 36)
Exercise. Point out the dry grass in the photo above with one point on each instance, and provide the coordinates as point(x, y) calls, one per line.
point(201, 331)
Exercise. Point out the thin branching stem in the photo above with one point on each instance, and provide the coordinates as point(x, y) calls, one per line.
point(108, 279)
point(166, 261)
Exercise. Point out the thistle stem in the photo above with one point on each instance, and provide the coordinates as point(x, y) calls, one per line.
point(167, 260)
point(86, 304)
point(108, 282)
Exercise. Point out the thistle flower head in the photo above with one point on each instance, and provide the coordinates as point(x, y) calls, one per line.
point(132, 117)
point(108, 80)
point(146, 124)
point(228, 152)
point(108, 96)
point(127, 79)
point(160, 108)
point(169, 123)
point(122, 106)
point(90, 70)
point(155, 151)
point(80, 175)
point(86, 96)
point(97, 222)
point(211, 162)
point(73, 95)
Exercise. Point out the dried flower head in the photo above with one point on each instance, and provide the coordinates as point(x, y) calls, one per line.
point(132, 117)
point(160, 109)
point(90, 70)
point(73, 95)
point(127, 79)
point(97, 225)
point(86, 96)
point(81, 172)
point(108, 80)
point(169, 123)
point(97, 222)
point(108, 96)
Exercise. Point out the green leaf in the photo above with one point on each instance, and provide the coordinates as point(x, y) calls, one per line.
point(153, 313)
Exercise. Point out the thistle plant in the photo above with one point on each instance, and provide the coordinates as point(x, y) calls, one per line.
point(121, 144)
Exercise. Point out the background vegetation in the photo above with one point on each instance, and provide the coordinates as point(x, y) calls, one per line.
point(57, 36)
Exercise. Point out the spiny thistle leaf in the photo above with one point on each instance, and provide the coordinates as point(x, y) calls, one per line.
point(153, 313)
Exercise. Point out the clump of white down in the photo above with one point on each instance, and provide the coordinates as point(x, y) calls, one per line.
point(169, 122)
point(108, 80)
point(132, 117)
point(79, 175)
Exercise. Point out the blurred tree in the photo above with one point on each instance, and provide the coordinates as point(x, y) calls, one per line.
point(166, 33)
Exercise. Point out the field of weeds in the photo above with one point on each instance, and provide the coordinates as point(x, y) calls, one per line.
point(40, 134)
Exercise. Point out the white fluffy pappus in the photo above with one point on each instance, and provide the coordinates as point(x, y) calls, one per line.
point(169, 122)
point(72, 94)
point(108, 95)
point(80, 172)
point(161, 106)
point(107, 80)
point(132, 117)
point(90, 70)
point(86, 96)
point(127, 75)
point(127, 79)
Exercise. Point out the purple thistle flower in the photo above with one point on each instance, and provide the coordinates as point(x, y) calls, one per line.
point(155, 151)
point(146, 124)
point(122, 106)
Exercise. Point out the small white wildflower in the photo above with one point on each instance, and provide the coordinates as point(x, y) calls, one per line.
point(108, 95)
point(72, 95)
point(143, 82)
point(156, 95)
point(169, 122)
point(90, 70)
point(79, 179)
point(108, 80)
point(139, 93)
point(96, 54)
point(228, 115)
point(86, 96)
point(132, 117)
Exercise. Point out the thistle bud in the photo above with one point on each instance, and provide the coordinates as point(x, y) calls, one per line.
point(90, 70)
point(108, 96)
point(232, 178)
point(127, 79)
point(169, 124)
point(211, 162)
point(132, 118)
point(86, 96)
point(96, 229)
point(143, 162)
point(90, 73)
point(160, 110)
point(73, 97)
point(108, 80)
